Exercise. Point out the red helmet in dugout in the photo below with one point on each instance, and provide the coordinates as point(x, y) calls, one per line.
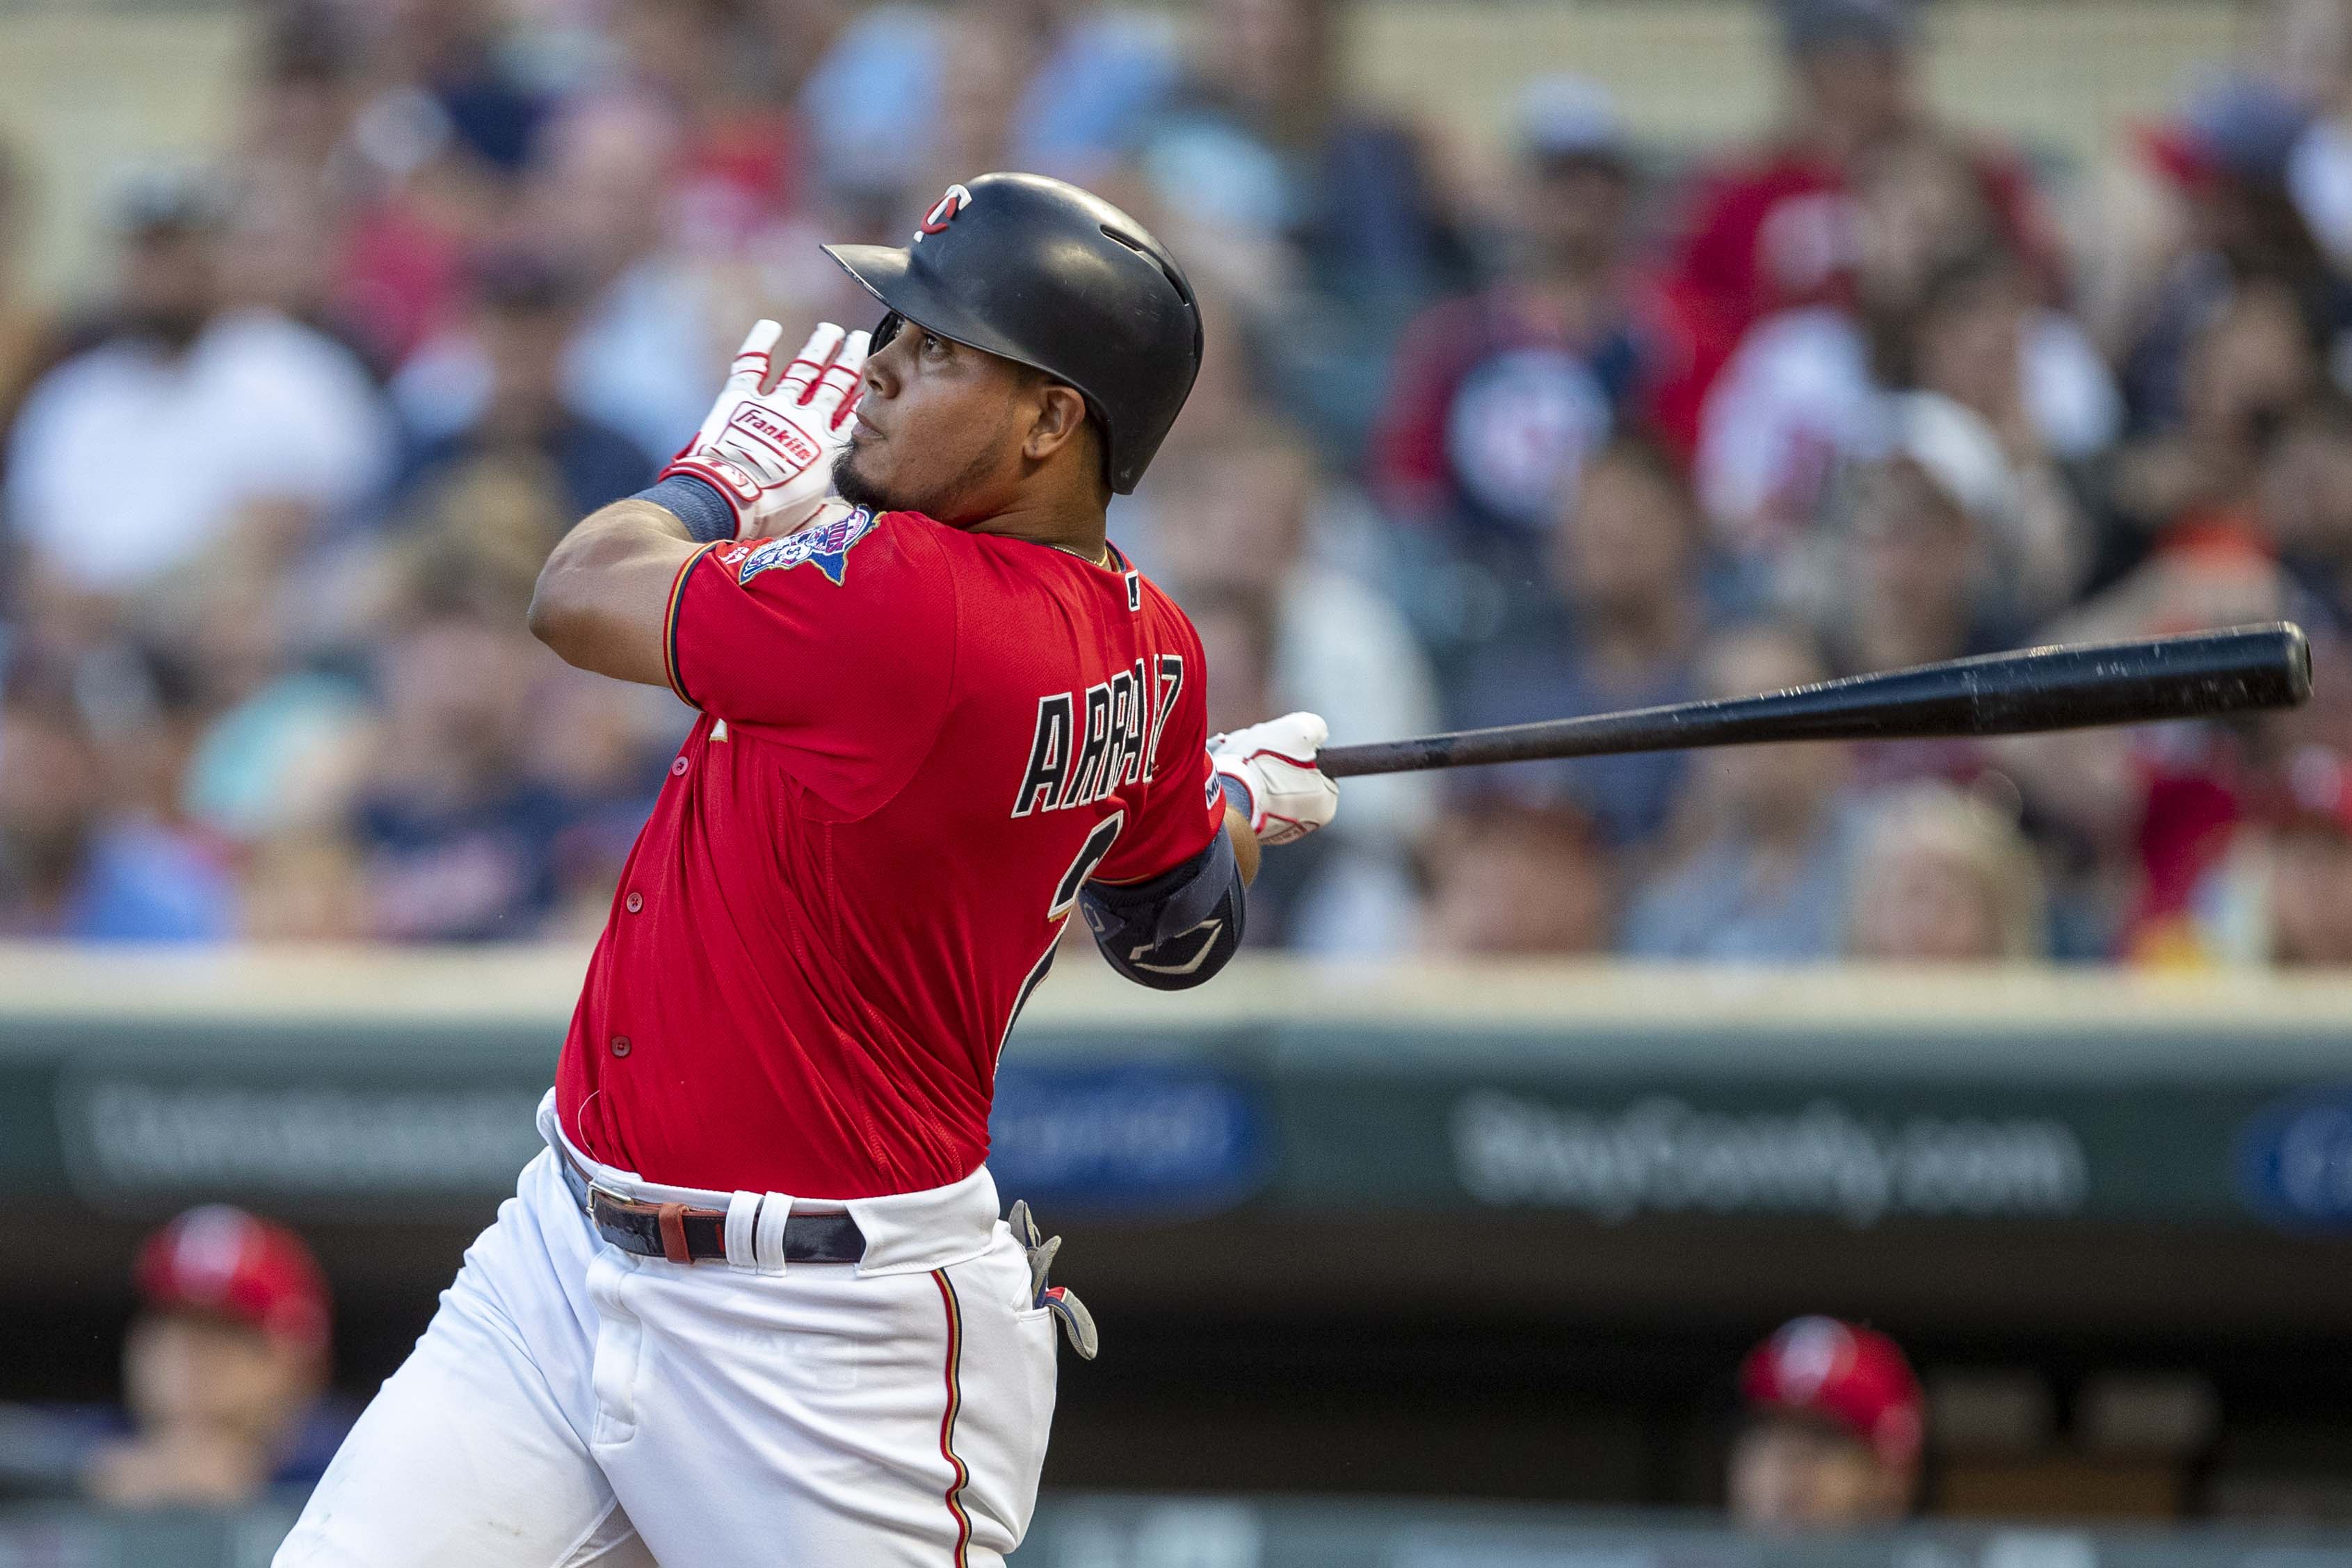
point(1855, 1378)
point(222, 1259)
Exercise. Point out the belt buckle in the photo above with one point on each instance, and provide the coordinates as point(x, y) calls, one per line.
point(597, 1190)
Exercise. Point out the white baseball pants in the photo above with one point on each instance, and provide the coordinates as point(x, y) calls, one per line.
point(572, 1404)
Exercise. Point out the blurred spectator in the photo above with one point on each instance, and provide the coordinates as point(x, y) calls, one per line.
point(1915, 575)
point(413, 192)
point(1236, 525)
point(2305, 500)
point(526, 311)
point(1067, 89)
point(2276, 886)
point(1935, 300)
point(284, 715)
point(189, 417)
point(1243, 515)
point(445, 55)
point(867, 96)
point(1764, 879)
point(2226, 159)
point(73, 864)
point(1101, 73)
point(1940, 878)
point(2319, 165)
point(26, 336)
point(602, 749)
point(1353, 894)
point(1619, 631)
point(1912, 583)
point(1314, 216)
point(223, 1369)
point(1835, 1418)
point(2245, 368)
point(278, 254)
point(1237, 624)
point(647, 348)
point(740, 156)
point(305, 886)
point(455, 833)
point(145, 705)
point(304, 85)
point(1776, 227)
point(1496, 400)
point(2029, 381)
point(1507, 877)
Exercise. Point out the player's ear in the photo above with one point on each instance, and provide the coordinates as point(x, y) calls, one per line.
point(1061, 417)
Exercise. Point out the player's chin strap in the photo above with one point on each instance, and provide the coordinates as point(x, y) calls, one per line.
point(1076, 1321)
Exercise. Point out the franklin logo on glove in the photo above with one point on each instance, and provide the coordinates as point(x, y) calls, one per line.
point(768, 454)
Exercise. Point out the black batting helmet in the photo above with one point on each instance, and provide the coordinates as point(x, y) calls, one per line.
point(1044, 274)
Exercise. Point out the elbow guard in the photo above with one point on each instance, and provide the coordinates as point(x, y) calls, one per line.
point(1176, 930)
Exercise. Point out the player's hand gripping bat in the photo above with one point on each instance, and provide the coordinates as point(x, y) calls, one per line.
point(2201, 675)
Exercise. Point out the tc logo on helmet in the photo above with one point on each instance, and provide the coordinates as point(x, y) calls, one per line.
point(943, 213)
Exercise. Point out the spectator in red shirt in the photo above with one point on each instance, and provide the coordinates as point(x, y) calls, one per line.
point(2247, 868)
point(1775, 228)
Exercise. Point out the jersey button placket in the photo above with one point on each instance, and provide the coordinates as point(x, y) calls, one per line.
point(621, 1046)
point(634, 902)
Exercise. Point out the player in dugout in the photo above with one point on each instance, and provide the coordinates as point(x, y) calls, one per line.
point(1830, 1439)
point(754, 1302)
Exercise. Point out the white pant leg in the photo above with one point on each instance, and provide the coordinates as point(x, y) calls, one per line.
point(475, 1453)
point(823, 1419)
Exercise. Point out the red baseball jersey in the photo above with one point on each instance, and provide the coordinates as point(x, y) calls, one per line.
point(917, 744)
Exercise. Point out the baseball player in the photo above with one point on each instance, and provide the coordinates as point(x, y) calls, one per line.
point(754, 1303)
point(1831, 1433)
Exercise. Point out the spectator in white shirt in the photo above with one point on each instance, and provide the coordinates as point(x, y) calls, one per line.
point(138, 454)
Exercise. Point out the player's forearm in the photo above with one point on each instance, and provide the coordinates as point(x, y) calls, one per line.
point(1246, 846)
point(602, 598)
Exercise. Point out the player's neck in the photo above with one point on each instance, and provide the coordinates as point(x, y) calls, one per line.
point(1077, 526)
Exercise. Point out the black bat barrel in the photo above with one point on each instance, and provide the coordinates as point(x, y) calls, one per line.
point(2204, 675)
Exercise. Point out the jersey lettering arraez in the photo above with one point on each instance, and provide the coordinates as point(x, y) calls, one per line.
point(917, 745)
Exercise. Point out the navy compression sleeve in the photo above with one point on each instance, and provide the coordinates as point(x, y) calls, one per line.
point(1176, 930)
point(695, 502)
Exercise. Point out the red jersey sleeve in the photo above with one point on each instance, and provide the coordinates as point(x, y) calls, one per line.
point(1182, 807)
point(838, 641)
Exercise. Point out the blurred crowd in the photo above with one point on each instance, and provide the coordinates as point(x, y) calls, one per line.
point(1475, 443)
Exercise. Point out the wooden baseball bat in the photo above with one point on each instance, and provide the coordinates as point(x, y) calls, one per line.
point(2247, 669)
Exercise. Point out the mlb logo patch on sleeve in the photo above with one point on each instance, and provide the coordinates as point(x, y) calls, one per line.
point(825, 545)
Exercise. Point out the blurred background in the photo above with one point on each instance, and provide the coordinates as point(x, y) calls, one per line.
point(1927, 1155)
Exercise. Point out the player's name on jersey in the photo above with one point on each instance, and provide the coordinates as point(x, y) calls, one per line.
point(1090, 743)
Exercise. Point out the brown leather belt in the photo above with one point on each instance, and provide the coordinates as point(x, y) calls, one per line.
point(684, 1234)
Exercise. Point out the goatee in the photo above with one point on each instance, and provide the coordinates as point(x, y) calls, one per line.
point(853, 486)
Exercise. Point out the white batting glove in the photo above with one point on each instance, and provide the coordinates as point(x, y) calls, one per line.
point(771, 453)
point(1274, 764)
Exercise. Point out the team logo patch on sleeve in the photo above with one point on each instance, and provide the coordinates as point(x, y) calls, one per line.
point(824, 544)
